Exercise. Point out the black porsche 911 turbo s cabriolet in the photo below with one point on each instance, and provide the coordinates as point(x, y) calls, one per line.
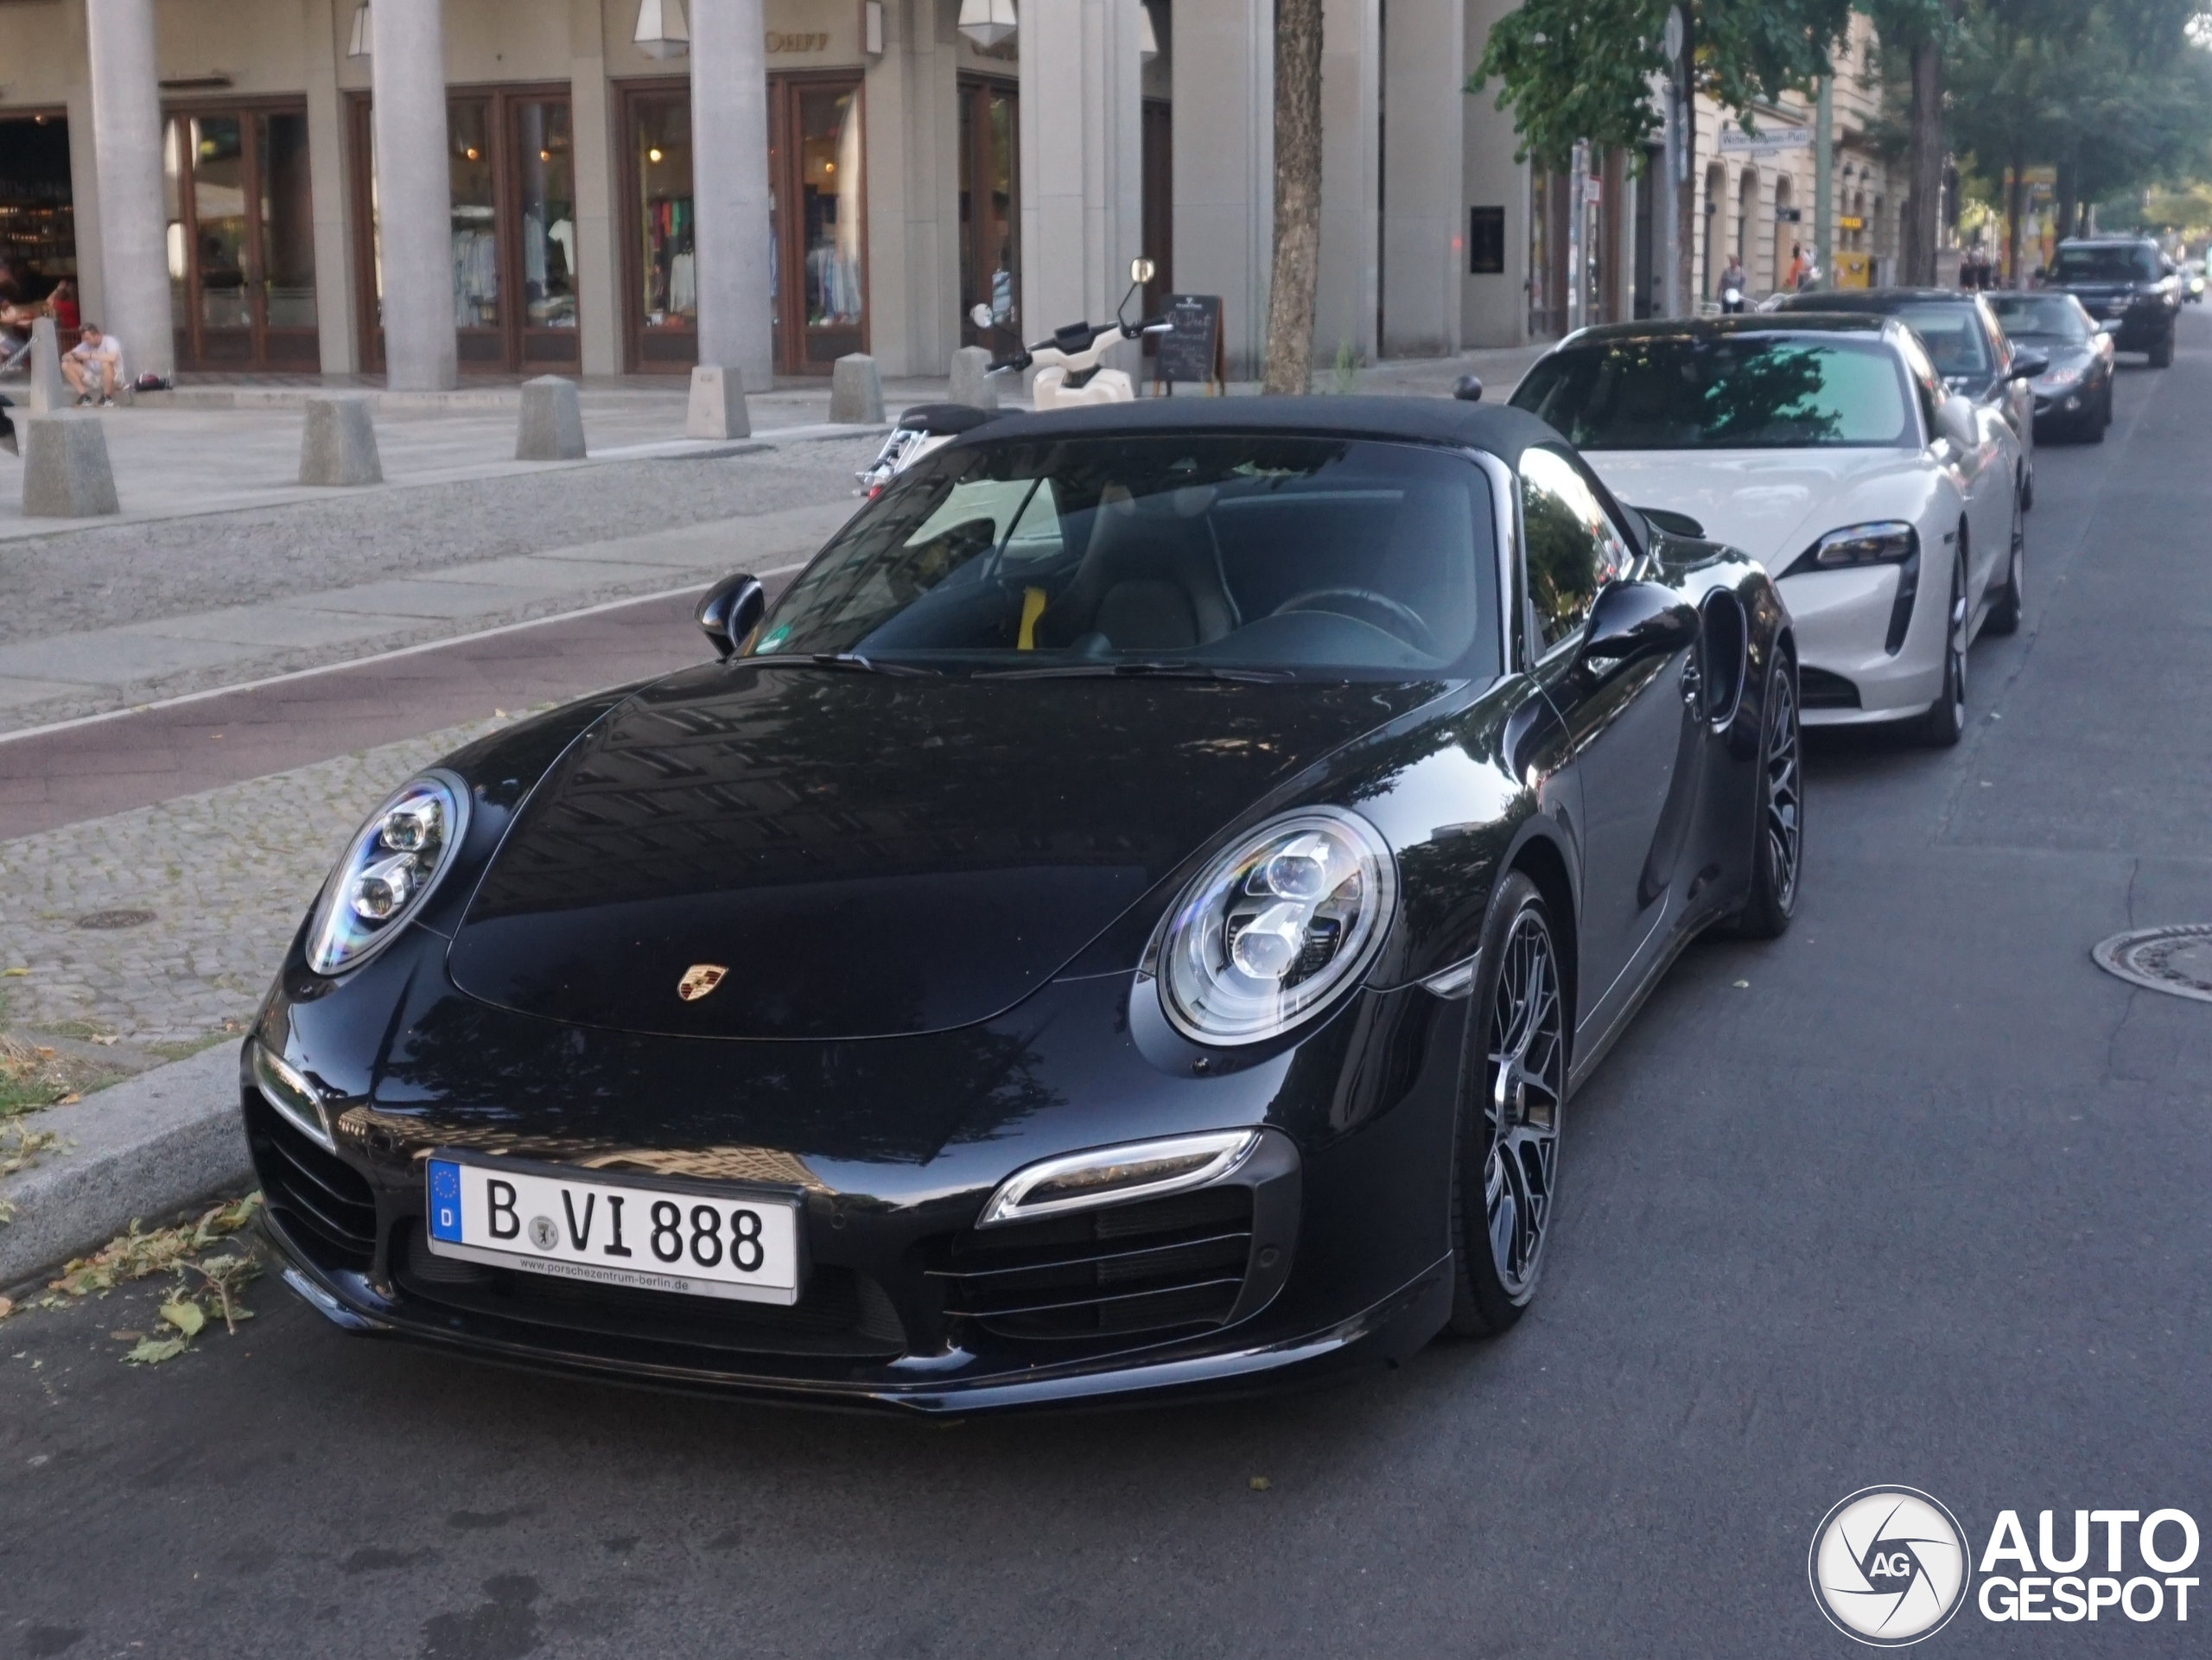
point(1125, 919)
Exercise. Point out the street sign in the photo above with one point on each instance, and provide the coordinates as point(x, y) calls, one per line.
point(1770, 141)
point(1673, 38)
point(1850, 222)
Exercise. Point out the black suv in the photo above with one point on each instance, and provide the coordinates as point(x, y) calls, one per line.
point(2127, 285)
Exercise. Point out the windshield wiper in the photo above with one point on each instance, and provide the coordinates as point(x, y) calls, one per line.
point(1136, 668)
point(865, 664)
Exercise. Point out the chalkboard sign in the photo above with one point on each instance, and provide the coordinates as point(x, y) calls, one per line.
point(1193, 350)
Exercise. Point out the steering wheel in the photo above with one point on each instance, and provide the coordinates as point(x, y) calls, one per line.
point(1400, 620)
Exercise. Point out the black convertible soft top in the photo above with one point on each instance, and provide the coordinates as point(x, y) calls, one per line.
point(1499, 429)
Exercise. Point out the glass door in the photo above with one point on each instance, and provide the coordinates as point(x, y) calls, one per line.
point(990, 219)
point(815, 214)
point(241, 238)
point(661, 269)
point(479, 338)
point(545, 194)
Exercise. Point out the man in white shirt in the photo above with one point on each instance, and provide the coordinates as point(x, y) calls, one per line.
point(93, 366)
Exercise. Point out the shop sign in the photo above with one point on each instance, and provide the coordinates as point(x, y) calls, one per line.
point(779, 42)
point(1770, 141)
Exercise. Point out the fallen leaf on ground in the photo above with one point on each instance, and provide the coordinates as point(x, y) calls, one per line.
point(1260, 1484)
point(6, 1308)
point(187, 1316)
point(153, 1351)
point(14, 974)
point(133, 1256)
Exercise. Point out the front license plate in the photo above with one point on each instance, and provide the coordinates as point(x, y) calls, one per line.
point(579, 1227)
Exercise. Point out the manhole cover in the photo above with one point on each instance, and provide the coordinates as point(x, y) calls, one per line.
point(103, 920)
point(2175, 959)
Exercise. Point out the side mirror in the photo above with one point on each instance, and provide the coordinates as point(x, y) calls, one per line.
point(1675, 524)
point(731, 610)
point(1954, 420)
point(2026, 365)
point(1634, 619)
point(1467, 389)
point(981, 315)
point(1140, 271)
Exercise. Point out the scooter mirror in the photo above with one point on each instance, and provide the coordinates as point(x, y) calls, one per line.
point(1140, 271)
point(980, 316)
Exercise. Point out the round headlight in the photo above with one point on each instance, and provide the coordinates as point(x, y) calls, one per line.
point(1275, 926)
point(388, 870)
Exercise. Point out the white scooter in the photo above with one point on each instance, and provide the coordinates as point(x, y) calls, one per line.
point(1071, 371)
point(1071, 374)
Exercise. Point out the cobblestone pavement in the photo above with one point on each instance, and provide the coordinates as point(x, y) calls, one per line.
point(100, 576)
point(227, 875)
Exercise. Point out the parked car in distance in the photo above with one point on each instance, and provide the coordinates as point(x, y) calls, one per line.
point(1967, 345)
point(2074, 394)
point(2125, 281)
point(1828, 448)
point(1128, 919)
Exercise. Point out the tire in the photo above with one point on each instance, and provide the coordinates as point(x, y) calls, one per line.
point(2093, 430)
point(2162, 354)
point(1946, 723)
point(2005, 611)
point(1505, 1153)
point(1779, 834)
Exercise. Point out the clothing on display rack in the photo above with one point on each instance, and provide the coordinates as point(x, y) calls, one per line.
point(475, 279)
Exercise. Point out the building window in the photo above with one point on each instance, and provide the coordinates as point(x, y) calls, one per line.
point(816, 221)
point(663, 275)
point(990, 215)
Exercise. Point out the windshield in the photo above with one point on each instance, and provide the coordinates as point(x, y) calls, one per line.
point(1735, 392)
point(1178, 553)
point(2042, 316)
point(1952, 335)
point(2130, 265)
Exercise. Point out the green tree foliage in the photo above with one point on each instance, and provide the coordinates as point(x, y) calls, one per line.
point(1572, 69)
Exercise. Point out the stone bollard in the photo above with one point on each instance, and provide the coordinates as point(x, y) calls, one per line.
point(972, 382)
point(65, 474)
point(855, 390)
point(337, 445)
point(552, 426)
point(717, 408)
point(49, 391)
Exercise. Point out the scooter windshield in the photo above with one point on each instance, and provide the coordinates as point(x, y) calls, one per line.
point(1204, 554)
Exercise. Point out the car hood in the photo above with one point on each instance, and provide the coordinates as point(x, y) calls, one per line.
point(1769, 502)
point(865, 855)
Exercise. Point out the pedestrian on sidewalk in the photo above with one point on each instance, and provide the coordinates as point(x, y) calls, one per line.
point(93, 367)
point(1733, 283)
point(1801, 269)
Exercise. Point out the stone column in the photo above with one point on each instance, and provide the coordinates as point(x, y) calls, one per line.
point(324, 29)
point(1352, 176)
point(1224, 160)
point(1424, 242)
point(1081, 161)
point(729, 187)
point(910, 104)
point(414, 193)
point(127, 148)
point(594, 112)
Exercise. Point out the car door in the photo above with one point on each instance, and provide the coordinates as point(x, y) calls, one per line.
point(1968, 465)
point(1624, 721)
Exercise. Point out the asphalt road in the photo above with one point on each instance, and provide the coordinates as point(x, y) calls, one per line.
point(1914, 1195)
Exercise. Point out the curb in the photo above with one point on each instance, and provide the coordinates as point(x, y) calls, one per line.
point(150, 1145)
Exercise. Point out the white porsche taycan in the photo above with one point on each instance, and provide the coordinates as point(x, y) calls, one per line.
point(1826, 447)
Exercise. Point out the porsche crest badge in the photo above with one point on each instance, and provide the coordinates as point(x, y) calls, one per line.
point(698, 980)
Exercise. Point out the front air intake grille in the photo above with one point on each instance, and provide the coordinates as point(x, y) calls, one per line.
point(840, 1313)
point(1818, 689)
point(1164, 1263)
point(322, 1203)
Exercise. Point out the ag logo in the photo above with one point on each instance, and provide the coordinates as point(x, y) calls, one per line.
point(1889, 1566)
point(698, 980)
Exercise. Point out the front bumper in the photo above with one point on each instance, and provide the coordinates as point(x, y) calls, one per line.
point(1328, 1248)
point(1842, 619)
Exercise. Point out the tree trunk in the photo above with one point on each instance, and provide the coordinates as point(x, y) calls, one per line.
point(1923, 227)
point(1686, 186)
point(2069, 169)
point(1298, 197)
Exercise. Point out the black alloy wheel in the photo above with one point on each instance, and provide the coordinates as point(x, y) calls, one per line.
point(2004, 610)
point(1506, 1168)
point(1945, 723)
point(1778, 847)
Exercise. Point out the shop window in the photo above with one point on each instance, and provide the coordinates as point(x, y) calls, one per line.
point(661, 260)
point(38, 226)
point(990, 226)
point(816, 220)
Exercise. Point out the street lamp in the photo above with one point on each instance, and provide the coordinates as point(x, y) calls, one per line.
point(987, 22)
point(661, 30)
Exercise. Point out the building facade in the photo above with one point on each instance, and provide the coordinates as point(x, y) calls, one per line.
point(428, 190)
